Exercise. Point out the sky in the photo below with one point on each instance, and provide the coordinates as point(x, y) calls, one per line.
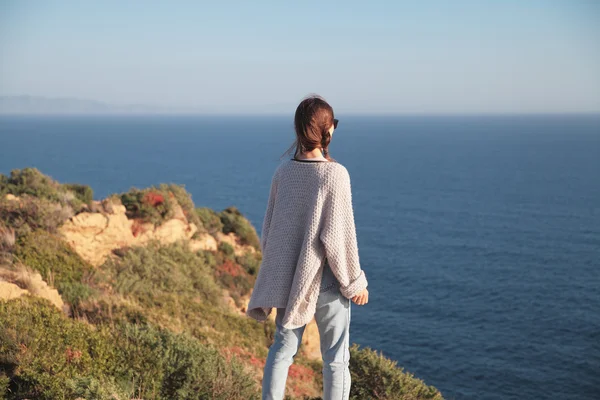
point(364, 57)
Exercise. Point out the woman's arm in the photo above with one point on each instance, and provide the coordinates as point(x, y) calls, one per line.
point(269, 212)
point(338, 236)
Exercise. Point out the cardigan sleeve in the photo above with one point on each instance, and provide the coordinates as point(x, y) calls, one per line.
point(338, 235)
point(269, 212)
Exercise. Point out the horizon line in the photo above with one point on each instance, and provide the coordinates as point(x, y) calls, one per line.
point(282, 114)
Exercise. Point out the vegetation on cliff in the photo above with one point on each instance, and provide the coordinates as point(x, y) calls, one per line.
point(159, 320)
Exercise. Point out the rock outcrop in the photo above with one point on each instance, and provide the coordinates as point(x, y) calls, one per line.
point(94, 235)
point(232, 239)
point(16, 281)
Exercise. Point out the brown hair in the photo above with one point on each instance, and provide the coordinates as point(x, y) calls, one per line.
point(314, 117)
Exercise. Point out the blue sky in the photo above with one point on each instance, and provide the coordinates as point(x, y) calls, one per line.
point(434, 57)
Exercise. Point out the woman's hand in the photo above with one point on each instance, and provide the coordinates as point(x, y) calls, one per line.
point(361, 298)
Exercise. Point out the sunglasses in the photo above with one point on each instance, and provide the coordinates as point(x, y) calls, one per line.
point(335, 123)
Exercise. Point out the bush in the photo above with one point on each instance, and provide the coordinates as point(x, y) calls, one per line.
point(4, 381)
point(31, 182)
point(84, 193)
point(180, 367)
point(7, 239)
point(234, 278)
point(227, 250)
point(75, 293)
point(229, 273)
point(148, 205)
point(184, 198)
point(173, 287)
point(52, 257)
point(234, 221)
point(92, 388)
point(209, 219)
point(41, 349)
point(30, 213)
point(158, 204)
point(250, 262)
point(376, 377)
point(146, 271)
point(47, 355)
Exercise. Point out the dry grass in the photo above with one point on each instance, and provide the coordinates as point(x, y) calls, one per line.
point(7, 239)
point(30, 280)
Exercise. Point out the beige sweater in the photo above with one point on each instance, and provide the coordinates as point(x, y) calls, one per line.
point(309, 217)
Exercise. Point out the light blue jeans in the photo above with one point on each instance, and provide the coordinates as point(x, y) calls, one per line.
point(333, 321)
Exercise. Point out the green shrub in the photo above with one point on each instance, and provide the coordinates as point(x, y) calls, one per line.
point(144, 272)
point(41, 349)
point(47, 355)
point(234, 221)
point(227, 329)
point(31, 213)
point(180, 367)
point(75, 293)
point(111, 311)
point(376, 377)
point(237, 285)
point(210, 220)
point(31, 182)
point(84, 193)
point(184, 198)
point(230, 274)
point(149, 205)
point(4, 381)
point(227, 250)
point(92, 388)
point(250, 262)
point(52, 257)
point(210, 258)
point(177, 288)
point(157, 204)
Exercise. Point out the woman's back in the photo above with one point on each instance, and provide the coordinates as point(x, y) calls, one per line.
point(309, 217)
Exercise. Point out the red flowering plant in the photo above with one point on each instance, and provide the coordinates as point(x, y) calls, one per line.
point(157, 204)
point(153, 199)
point(148, 205)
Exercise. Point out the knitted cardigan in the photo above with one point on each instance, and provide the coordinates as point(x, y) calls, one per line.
point(309, 218)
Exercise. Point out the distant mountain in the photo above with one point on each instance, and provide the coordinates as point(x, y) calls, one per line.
point(44, 105)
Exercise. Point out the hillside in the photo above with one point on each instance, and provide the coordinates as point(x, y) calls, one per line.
point(142, 296)
point(37, 105)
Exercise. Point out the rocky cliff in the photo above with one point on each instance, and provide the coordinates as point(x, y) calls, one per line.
point(158, 286)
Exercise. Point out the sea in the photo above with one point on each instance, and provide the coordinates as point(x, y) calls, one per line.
point(479, 235)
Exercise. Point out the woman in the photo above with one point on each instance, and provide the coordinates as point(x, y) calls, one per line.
point(310, 266)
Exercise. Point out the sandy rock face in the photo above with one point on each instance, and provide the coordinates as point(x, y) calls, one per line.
point(10, 290)
point(15, 282)
point(168, 232)
point(95, 235)
point(205, 242)
point(11, 197)
point(231, 238)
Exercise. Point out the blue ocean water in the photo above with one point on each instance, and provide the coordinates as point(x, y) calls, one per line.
point(480, 236)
